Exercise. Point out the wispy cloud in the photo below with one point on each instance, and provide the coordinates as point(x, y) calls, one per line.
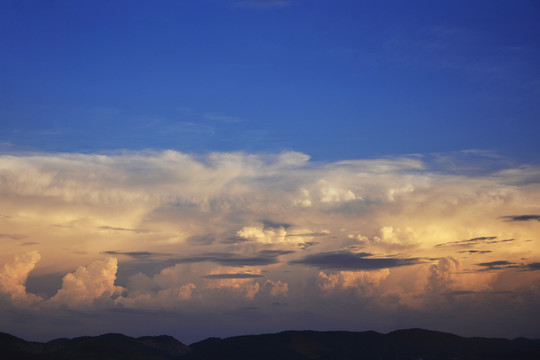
point(521, 217)
point(475, 241)
point(221, 118)
point(135, 254)
point(12, 236)
point(112, 228)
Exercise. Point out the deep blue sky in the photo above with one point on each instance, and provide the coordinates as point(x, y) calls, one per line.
point(333, 79)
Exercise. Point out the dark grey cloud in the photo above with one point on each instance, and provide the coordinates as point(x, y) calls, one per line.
point(475, 251)
point(264, 257)
point(521, 217)
point(499, 265)
point(232, 276)
point(274, 253)
point(135, 254)
point(475, 241)
point(496, 263)
point(504, 265)
point(274, 224)
point(344, 260)
point(307, 244)
point(112, 228)
point(28, 243)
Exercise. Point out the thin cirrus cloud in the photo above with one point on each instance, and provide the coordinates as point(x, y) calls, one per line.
point(475, 241)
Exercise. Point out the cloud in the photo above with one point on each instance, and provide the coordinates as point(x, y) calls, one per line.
point(221, 118)
point(506, 265)
point(345, 260)
point(166, 290)
point(232, 276)
point(81, 288)
point(13, 278)
point(276, 288)
point(12, 236)
point(521, 217)
point(210, 219)
point(122, 229)
point(264, 257)
point(134, 254)
point(363, 281)
point(475, 251)
point(259, 234)
point(443, 276)
point(475, 241)
point(498, 265)
point(240, 282)
point(28, 243)
point(201, 239)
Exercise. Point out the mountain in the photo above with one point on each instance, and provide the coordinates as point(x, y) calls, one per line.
point(104, 347)
point(287, 345)
point(343, 345)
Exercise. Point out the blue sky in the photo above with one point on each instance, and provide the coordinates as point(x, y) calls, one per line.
point(333, 79)
point(212, 168)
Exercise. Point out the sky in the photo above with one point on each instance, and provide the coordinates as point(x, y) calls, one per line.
point(209, 168)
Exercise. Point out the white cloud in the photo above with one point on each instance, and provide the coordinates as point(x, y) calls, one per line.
point(13, 277)
point(263, 211)
point(86, 284)
point(365, 282)
point(258, 233)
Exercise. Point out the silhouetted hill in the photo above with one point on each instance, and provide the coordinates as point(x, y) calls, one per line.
point(343, 345)
point(104, 347)
point(287, 345)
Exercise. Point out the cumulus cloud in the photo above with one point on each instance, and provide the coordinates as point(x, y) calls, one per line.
point(81, 288)
point(13, 278)
point(259, 234)
point(276, 288)
point(189, 230)
point(166, 290)
point(442, 276)
point(364, 281)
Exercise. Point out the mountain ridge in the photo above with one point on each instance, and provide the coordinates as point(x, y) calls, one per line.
point(403, 344)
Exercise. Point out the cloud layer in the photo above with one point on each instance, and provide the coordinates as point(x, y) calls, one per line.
point(227, 232)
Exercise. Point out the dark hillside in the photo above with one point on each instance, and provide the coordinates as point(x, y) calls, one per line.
point(287, 345)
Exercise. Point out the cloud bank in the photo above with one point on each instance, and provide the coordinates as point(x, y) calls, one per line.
point(218, 233)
